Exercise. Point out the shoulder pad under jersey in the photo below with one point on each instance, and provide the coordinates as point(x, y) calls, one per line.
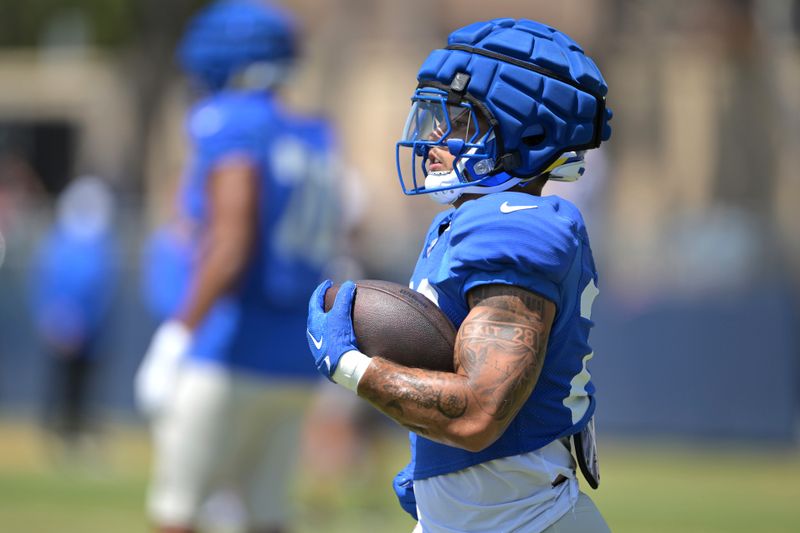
point(516, 239)
point(227, 123)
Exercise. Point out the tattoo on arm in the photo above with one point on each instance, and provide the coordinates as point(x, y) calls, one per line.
point(421, 391)
point(502, 344)
point(499, 351)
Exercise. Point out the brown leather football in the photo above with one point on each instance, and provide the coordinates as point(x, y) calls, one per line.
point(400, 324)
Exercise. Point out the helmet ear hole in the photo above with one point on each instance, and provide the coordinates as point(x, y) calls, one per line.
point(535, 139)
point(533, 135)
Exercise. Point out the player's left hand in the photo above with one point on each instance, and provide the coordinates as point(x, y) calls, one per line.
point(330, 335)
point(155, 378)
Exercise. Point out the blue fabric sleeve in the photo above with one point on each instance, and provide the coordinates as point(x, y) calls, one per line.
point(230, 125)
point(221, 126)
point(531, 248)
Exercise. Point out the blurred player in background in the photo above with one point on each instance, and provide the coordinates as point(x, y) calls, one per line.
point(223, 379)
point(73, 277)
point(505, 107)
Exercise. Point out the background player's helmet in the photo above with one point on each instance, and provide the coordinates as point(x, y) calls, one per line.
point(235, 38)
point(512, 100)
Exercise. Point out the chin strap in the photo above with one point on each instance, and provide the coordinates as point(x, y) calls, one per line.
point(569, 167)
point(434, 180)
point(477, 189)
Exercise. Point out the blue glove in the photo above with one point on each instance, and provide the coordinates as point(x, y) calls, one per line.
point(331, 334)
point(403, 485)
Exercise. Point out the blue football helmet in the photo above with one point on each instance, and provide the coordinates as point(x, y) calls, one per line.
point(511, 100)
point(232, 37)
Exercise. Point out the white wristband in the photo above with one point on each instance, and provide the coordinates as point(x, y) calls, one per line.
point(350, 369)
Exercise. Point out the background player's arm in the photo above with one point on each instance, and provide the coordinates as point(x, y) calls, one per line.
point(228, 240)
point(499, 353)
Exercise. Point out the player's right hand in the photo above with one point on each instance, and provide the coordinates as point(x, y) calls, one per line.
point(155, 378)
point(330, 335)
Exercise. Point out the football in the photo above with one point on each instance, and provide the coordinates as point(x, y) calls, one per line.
point(400, 324)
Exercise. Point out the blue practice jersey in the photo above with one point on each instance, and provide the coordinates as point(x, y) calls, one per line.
point(72, 283)
point(503, 239)
point(260, 326)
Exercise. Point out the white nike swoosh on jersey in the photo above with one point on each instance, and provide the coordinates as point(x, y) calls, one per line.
point(317, 343)
point(505, 208)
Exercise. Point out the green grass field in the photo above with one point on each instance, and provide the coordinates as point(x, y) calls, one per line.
point(644, 488)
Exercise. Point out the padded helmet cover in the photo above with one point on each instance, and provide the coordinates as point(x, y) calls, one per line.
point(229, 35)
point(545, 95)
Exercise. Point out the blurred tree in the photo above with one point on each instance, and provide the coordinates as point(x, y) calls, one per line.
point(23, 23)
point(158, 25)
point(142, 32)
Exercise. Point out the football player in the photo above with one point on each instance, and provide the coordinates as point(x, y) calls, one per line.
point(222, 379)
point(506, 106)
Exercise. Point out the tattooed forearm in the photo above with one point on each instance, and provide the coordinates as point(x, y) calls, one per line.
point(499, 353)
point(414, 388)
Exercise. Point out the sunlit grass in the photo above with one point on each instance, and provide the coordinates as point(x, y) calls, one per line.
point(652, 488)
point(645, 487)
